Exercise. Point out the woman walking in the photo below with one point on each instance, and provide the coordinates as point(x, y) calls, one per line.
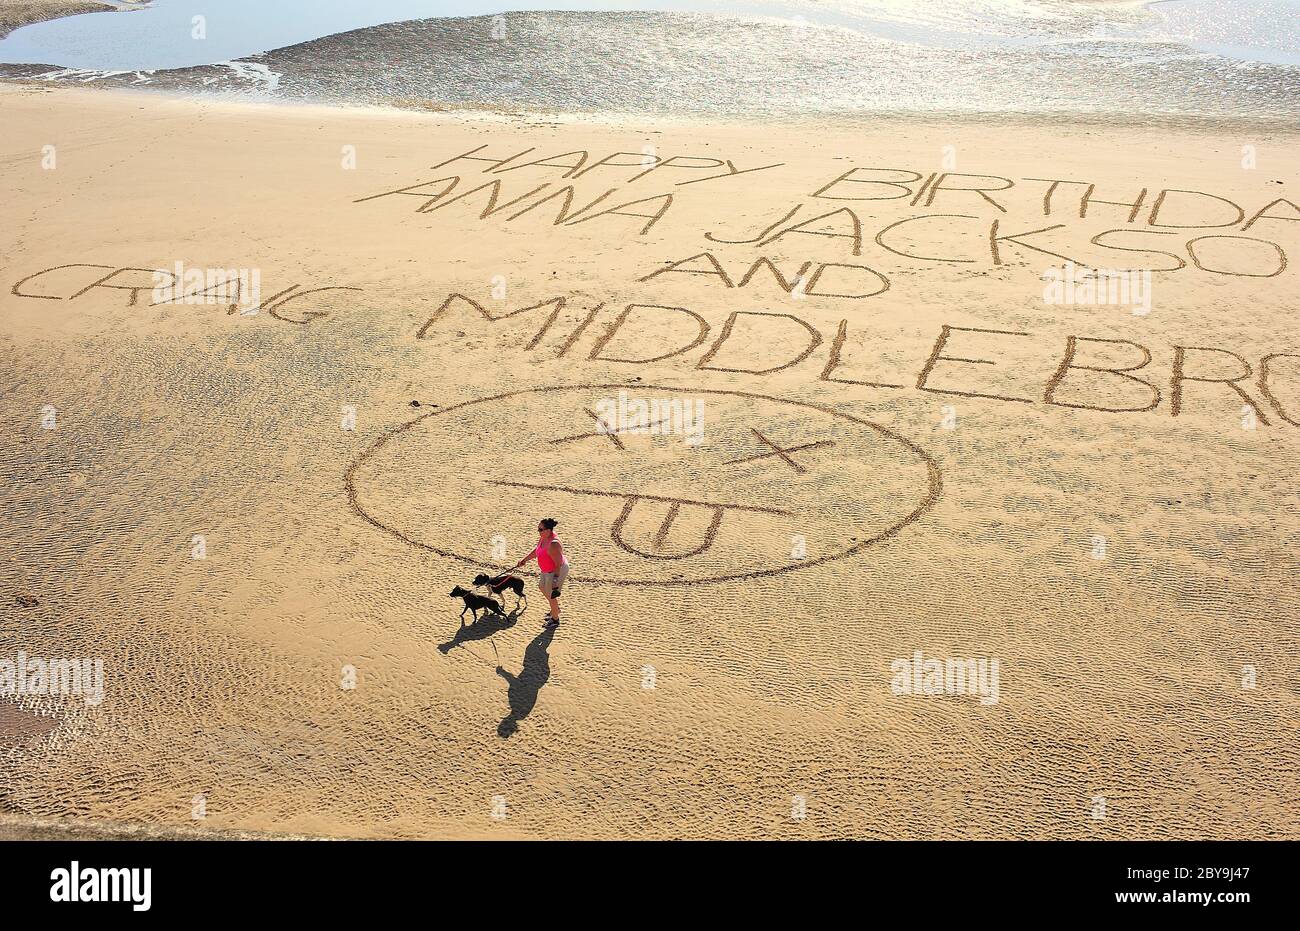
point(553, 565)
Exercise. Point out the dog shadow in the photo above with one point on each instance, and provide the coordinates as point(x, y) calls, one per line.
point(523, 688)
point(487, 624)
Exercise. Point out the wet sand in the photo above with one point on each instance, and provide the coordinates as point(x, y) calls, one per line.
point(16, 13)
point(247, 519)
point(764, 69)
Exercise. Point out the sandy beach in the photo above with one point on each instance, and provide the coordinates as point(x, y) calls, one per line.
point(909, 450)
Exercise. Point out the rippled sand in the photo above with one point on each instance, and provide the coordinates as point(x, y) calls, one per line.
point(327, 548)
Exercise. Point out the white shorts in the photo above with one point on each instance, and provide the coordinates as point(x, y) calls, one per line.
point(552, 582)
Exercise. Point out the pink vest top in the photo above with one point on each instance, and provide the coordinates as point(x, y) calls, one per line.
point(544, 560)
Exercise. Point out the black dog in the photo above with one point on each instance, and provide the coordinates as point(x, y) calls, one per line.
point(501, 584)
point(474, 603)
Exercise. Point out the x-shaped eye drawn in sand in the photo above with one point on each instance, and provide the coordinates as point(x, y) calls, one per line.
point(644, 509)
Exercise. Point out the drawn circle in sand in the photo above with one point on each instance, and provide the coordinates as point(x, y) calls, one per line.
point(771, 486)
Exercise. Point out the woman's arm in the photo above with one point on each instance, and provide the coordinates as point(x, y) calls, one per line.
point(532, 554)
point(556, 552)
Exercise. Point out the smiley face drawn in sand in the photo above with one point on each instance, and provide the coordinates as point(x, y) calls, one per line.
point(772, 485)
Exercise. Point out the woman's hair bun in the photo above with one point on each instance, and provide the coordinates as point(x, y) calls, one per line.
point(549, 523)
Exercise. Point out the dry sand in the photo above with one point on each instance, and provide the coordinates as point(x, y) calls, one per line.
point(1133, 573)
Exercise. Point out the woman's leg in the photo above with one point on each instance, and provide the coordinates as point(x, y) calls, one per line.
point(561, 573)
point(544, 585)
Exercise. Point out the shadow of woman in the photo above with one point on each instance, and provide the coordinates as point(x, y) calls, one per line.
point(524, 687)
point(481, 629)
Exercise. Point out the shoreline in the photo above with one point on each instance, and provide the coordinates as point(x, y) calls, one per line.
point(15, 14)
point(613, 85)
